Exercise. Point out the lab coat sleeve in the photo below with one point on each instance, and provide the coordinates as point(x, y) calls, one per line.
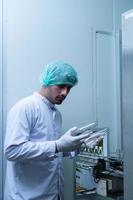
point(18, 145)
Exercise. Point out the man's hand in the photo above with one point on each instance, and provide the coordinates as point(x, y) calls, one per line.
point(70, 141)
point(94, 138)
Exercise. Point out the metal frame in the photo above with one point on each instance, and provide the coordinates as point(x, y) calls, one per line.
point(127, 101)
point(117, 63)
point(94, 66)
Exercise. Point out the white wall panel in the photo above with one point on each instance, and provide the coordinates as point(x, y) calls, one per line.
point(45, 31)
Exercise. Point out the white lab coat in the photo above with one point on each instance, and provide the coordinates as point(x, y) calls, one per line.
point(34, 170)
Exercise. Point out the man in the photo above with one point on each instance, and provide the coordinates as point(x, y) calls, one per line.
point(34, 145)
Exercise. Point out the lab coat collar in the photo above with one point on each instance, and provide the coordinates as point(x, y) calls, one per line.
point(45, 100)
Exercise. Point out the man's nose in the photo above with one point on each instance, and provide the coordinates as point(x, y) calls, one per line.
point(64, 91)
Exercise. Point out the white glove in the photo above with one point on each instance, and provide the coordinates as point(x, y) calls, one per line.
point(69, 142)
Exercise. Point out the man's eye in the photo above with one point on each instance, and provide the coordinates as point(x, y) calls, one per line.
point(61, 86)
point(65, 86)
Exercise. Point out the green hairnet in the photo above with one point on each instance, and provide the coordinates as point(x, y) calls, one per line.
point(58, 73)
